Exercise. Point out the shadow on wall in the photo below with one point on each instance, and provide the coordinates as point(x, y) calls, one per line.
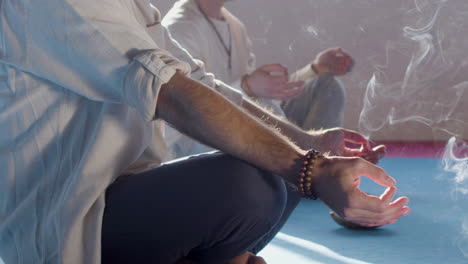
point(411, 66)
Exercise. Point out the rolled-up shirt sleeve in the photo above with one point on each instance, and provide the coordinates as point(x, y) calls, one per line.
point(147, 72)
point(95, 48)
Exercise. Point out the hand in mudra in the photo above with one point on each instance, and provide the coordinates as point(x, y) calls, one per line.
point(333, 61)
point(271, 81)
point(336, 182)
point(343, 142)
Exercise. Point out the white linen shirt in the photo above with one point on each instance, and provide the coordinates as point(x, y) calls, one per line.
point(79, 82)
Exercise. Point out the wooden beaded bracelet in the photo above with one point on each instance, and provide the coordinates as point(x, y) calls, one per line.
point(305, 175)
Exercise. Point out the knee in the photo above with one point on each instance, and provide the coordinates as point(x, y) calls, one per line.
point(330, 90)
point(252, 191)
point(331, 83)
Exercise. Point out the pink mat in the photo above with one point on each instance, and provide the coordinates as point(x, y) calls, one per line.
point(422, 149)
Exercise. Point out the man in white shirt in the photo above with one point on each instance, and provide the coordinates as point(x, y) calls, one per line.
point(82, 92)
point(311, 97)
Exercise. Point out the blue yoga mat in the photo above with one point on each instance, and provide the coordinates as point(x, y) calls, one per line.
point(436, 231)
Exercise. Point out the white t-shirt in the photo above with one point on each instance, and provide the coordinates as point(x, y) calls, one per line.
point(189, 27)
point(79, 86)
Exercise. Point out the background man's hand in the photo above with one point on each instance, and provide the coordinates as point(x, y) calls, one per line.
point(263, 83)
point(333, 61)
point(336, 181)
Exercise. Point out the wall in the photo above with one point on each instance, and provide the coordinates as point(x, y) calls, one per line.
point(414, 49)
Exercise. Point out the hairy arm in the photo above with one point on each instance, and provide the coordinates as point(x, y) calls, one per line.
point(207, 116)
point(288, 129)
point(337, 141)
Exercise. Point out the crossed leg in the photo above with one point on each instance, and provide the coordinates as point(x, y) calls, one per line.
point(210, 208)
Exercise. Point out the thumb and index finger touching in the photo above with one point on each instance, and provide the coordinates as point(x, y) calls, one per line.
point(379, 176)
point(356, 138)
point(373, 172)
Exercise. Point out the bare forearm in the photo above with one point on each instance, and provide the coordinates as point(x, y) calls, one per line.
point(210, 118)
point(286, 128)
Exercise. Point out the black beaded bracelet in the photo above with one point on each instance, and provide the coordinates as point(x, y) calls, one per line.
point(305, 175)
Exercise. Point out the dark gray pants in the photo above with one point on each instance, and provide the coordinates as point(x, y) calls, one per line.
point(209, 208)
point(321, 105)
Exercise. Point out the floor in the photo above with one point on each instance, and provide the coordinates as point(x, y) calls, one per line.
point(435, 232)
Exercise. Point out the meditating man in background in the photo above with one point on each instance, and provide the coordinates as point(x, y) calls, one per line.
point(311, 97)
point(81, 147)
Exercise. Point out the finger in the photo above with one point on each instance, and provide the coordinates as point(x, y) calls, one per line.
point(351, 152)
point(380, 224)
point(368, 223)
point(289, 85)
point(400, 202)
point(363, 201)
point(374, 155)
point(369, 217)
point(343, 62)
point(279, 79)
point(340, 65)
point(390, 213)
point(375, 152)
point(274, 68)
point(370, 158)
point(278, 91)
point(351, 66)
point(333, 51)
point(359, 224)
point(360, 152)
point(287, 94)
point(343, 53)
point(349, 62)
point(395, 206)
point(388, 195)
point(375, 173)
point(380, 151)
point(373, 217)
point(355, 137)
point(343, 67)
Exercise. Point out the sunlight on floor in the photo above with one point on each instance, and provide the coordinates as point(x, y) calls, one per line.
point(286, 248)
